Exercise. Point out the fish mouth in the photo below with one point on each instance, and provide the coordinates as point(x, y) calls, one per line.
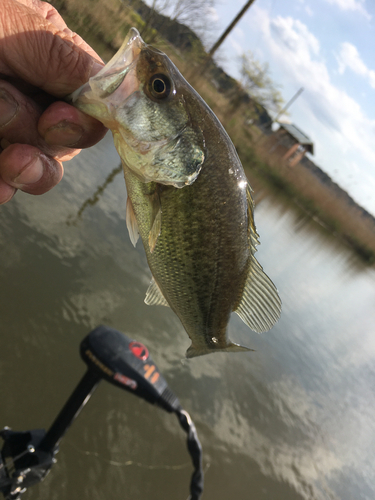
point(111, 76)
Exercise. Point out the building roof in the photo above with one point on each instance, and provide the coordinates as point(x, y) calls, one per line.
point(299, 136)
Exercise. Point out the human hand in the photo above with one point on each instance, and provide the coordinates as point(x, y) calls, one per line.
point(41, 61)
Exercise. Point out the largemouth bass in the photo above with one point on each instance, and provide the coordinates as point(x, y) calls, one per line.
point(188, 196)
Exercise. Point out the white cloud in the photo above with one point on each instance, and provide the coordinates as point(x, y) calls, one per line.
point(349, 58)
point(295, 36)
point(212, 14)
point(352, 5)
point(341, 128)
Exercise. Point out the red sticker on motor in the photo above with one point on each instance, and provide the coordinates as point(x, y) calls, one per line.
point(139, 350)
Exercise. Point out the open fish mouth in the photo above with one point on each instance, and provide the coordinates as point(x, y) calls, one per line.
point(111, 76)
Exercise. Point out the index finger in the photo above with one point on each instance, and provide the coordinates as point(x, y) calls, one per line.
point(62, 60)
point(48, 12)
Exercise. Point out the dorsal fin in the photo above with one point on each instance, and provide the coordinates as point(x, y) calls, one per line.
point(131, 222)
point(154, 296)
point(253, 235)
point(260, 304)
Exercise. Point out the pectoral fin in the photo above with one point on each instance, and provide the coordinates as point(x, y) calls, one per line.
point(260, 305)
point(131, 222)
point(156, 225)
point(155, 231)
point(154, 296)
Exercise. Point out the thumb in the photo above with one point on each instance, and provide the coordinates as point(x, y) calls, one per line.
point(34, 49)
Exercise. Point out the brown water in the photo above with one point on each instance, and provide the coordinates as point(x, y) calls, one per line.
point(293, 420)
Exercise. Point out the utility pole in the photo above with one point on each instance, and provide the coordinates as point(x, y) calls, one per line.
point(217, 44)
point(282, 111)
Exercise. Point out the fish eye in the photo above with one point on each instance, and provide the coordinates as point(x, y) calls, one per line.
point(160, 86)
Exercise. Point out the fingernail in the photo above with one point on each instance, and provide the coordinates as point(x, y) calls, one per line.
point(30, 174)
point(8, 107)
point(96, 67)
point(64, 134)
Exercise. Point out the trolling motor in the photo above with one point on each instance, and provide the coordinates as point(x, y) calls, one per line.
point(27, 457)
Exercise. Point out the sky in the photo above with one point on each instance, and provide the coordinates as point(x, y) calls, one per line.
point(328, 48)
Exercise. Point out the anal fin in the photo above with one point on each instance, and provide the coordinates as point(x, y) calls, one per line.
point(154, 296)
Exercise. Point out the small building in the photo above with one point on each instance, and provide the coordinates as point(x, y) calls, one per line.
point(290, 143)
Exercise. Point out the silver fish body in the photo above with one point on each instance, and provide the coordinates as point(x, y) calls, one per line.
point(188, 196)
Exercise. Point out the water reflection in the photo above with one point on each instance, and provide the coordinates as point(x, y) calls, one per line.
point(96, 196)
point(292, 420)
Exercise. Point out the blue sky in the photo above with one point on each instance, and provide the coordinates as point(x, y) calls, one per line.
point(328, 48)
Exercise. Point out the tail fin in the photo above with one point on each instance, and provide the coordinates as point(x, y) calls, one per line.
point(193, 351)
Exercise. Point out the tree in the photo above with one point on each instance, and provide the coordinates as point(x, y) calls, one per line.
point(193, 13)
point(256, 80)
point(189, 11)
